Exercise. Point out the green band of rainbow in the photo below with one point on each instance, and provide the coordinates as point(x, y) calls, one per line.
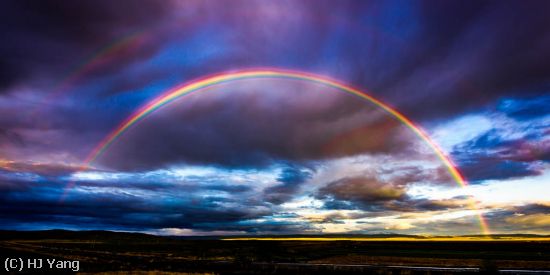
point(197, 85)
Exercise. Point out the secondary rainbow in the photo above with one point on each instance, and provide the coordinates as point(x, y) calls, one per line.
point(104, 55)
point(212, 80)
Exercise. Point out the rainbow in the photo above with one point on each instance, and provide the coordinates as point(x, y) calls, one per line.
point(97, 59)
point(100, 57)
point(212, 80)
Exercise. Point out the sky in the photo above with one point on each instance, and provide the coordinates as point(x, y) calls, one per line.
point(275, 155)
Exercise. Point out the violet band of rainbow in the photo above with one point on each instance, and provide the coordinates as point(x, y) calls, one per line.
point(202, 83)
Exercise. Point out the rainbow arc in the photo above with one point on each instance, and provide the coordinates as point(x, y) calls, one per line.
point(201, 84)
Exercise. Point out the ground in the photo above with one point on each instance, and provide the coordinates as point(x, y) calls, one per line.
point(100, 251)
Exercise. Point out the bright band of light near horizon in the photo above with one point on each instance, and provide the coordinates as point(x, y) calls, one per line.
point(208, 81)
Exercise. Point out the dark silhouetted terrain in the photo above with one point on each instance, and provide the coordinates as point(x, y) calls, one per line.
point(103, 251)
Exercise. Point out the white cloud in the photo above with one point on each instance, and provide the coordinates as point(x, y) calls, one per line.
point(512, 191)
point(460, 130)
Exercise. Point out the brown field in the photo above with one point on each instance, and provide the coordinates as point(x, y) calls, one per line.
point(126, 253)
point(399, 239)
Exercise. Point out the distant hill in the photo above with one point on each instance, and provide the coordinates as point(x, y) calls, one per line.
point(510, 235)
point(74, 235)
point(113, 235)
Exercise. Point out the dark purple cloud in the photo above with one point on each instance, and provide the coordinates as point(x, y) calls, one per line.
point(257, 123)
point(42, 40)
point(290, 180)
point(363, 190)
point(497, 169)
point(30, 203)
point(383, 196)
point(420, 58)
point(492, 155)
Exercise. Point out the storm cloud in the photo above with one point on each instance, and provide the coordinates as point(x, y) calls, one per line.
point(257, 123)
point(271, 155)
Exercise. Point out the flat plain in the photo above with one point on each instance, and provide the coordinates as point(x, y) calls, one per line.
point(121, 253)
